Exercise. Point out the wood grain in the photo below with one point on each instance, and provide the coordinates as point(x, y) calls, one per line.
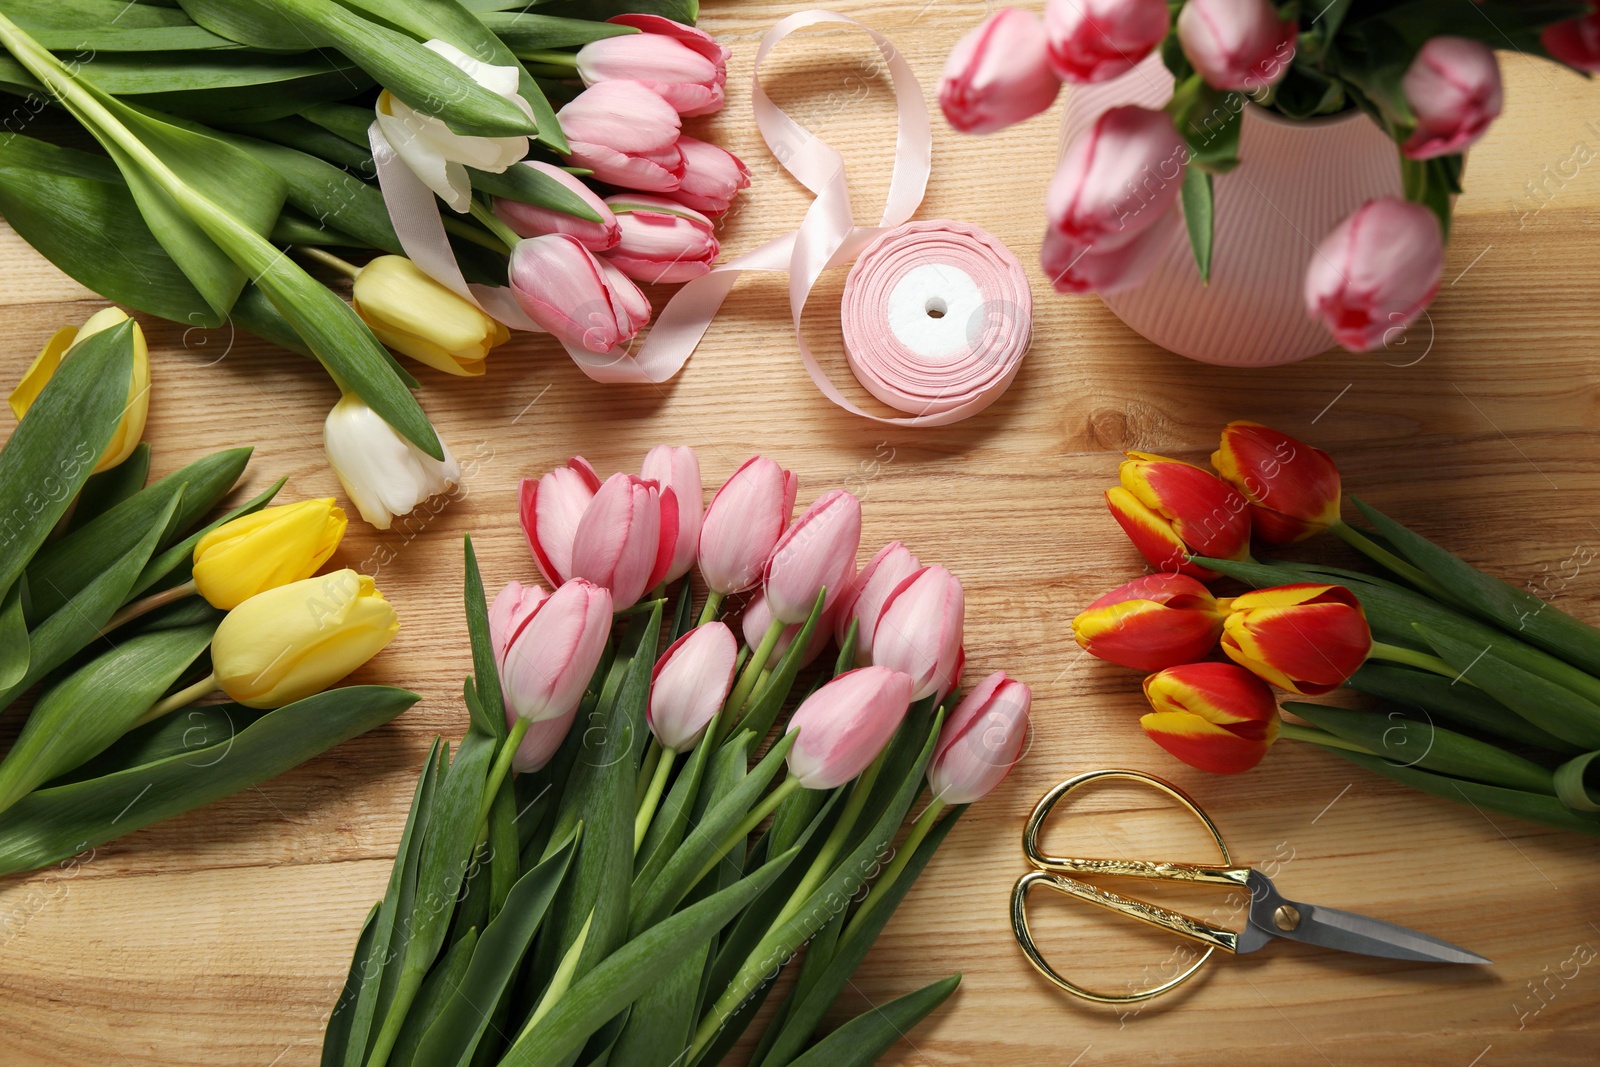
point(221, 937)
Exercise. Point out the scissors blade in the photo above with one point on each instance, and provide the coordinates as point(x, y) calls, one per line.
point(1347, 931)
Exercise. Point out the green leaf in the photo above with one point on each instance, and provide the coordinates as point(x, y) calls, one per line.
point(660, 1022)
point(869, 1035)
point(1464, 705)
point(338, 1032)
point(488, 714)
point(14, 653)
point(1572, 786)
point(53, 450)
point(462, 1021)
point(109, 488)
point(684, 11)
point(529, 185)
point(1433, 748)
point(1198, 216)
point(1542, 701)
point(436, 990)
point(53, 823)
point(328, 194)
point(65, 14)
point(1209, 121)
point(524, 31)
point(625, 974)
point(64, 567)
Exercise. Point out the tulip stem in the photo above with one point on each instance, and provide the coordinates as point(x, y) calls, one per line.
point(766, 807)
point(652, 797)
point(182, 698)
point(468, 232)
point(561, 980)
point(497, 773)
point(880, 889)
point(820, 866)
point(747, 680)
point(1412, 658)
point(150, 603)
point(328, 259)
point(1384, 558)
point(491, 222)
point(647, 770)
point(567, 60)
point(713, 606)
point(1295, 732)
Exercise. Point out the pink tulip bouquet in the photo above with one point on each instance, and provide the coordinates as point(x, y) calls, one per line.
point(633, 840)
point(1425, 72)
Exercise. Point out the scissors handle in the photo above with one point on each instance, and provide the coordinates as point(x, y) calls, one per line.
point(1199, 873)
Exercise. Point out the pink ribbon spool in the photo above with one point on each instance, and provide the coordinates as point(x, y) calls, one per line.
point(937, 316)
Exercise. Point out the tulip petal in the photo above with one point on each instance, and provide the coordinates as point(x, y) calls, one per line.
point(1202, 744)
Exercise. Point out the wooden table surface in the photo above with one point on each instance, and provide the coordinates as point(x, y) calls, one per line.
point(221, 937)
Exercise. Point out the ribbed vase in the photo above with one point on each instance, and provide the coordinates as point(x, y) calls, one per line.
point(1296, 181)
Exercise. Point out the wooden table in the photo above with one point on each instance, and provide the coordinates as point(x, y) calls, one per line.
point(221, 938)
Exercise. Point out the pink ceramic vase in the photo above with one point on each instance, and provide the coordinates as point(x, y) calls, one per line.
point(1296, 182)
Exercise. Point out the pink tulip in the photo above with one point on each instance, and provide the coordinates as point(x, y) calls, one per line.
point(532, 220)
point(998, 74)
point(845, 724)
point(1237, 44)
point(815, 555)
point(552, 649)
point(862, 599)
point(1117, 179)
point(678, 470)
point(551, 509)
point(541, 742)
point(919, 631)
point(981, 740)
point(510, 612)
point(1096, 40)
point(1575, 42)
point(712, 177)
point(625, 134)
point(1453, 88)
point(684, 66)
point(742, 524)
point(583, 302)
point(757, 618)
point(689, 683)
point(1376, 272)
point(662, 242)
point(1074, 267)
point(626, 538)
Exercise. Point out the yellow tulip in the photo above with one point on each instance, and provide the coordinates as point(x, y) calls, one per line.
point(131, 428)
point(261, 551)
point(296, 640)
point(416, 316)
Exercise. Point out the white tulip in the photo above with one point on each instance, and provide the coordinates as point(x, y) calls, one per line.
point(438, 155)
point(383, 474)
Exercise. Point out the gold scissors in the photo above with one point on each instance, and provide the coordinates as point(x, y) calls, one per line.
point(1271, 914)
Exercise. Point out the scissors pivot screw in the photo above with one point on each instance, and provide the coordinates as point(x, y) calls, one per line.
point(1286, 917)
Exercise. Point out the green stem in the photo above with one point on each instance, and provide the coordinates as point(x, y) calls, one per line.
point(1295, 732)
point(853, 806)
point(181, 698)
point(752, 671)
point(560, 980)
point(465, 230)
point(328, 259)
point(491, 222)
point(768, 804)
point(1412, 658)
point(148, 604)
point(652, 797)
point(1384, 558)
point(497, 773)
point(880, 889)
point(565, 60)
point(713, 606)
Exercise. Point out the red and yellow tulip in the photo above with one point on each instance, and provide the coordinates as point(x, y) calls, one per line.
point(1292, 487)
point(1214, 716)
point(1304, 638)
point(1156, 621)
point(1172, 510)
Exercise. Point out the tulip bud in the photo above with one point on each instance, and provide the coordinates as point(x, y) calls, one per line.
point(817, 553)
point(532, 220)
point(510, 612)
point(383, 474)
point(1575, 42)
point(418, 317)
point(712, 177)
point(845, 724)
point(1237, 44)
point(686, 67)
point(586, 303)
point(626, 135)
point(1292, 487)
point(552, 648)
point(1117, 179)
point(1172, 510)
point(1304, 638)
point(862, 599)
point(677, 471)
point(266, 549)
point(130, 428)
point(742, 524)
point(662, 242)
point(757, 619)
point(1213, 716)
point(690, 682)
point(998, 74)
point(981, 740)
point(1453, 89)
point(290, 642)
point(1075, 267)
point(1153, 622)
point(919, 632)
point(625, 538)
point(1096, 40)
point(551, 509)
point(1376, 273)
